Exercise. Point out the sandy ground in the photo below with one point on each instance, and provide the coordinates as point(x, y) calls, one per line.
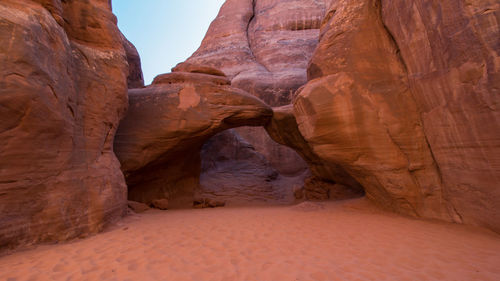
point(310, 241)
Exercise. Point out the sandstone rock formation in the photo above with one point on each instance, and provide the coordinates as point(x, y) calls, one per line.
point(137, 207)
point(391, 105)
point(233, 171)
point(284, 130)
point(403, 97)
point(62, 93)
point(135, 78)
point(264, 48)
point(451, 50)
point(159, 141)
point(398, 99)
point(161, 204)
point(201, 203)
point(359, 113)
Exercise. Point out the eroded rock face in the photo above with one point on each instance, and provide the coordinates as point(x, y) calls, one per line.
point(159, 141)
point(137, 207)
point(284, 130)
point(264, 48)
point(233, 171)
point(404, 101)
point(357, 112)
point(135, 79)
point(451, 53)
point(63, 91)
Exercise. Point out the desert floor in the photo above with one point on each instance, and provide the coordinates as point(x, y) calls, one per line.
point(347, 240)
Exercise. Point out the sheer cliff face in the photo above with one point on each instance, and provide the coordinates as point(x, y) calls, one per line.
point(404, 96)
point(63, 90)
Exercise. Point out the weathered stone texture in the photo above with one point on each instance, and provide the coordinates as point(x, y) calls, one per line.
point(451, 52)
point(62, 93)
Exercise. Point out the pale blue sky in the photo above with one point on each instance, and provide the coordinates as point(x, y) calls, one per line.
point(165, 32)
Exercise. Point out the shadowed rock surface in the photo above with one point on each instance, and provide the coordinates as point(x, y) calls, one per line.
point(159, 141)
point(63, 90)
point(235, 173)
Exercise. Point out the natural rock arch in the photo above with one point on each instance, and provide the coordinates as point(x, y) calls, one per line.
point(158, 142)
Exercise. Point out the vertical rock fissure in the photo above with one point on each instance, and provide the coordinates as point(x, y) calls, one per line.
point(250, 47)
point(403, 63)
point(456, 216)
point(401, 59)
point(248, 30)
point(391, 38)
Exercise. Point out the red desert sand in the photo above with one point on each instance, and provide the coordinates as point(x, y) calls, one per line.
point(347, 240)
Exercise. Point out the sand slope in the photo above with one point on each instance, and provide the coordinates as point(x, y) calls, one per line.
point(310, 241)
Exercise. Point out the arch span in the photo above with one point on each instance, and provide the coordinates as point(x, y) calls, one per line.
point(158, 142)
